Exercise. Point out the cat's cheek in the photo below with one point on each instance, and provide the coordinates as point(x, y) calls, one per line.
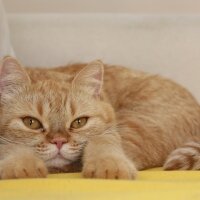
point(79, 138)
point(48, 152)
point(36, 140)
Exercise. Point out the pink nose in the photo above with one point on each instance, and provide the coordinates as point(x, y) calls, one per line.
point(59, 142)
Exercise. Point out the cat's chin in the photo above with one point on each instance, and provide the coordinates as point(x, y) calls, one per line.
point(58, 163)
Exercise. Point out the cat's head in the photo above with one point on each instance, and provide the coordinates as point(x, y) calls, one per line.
point(53, 118)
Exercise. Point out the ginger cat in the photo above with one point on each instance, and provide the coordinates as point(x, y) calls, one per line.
point(114, 122)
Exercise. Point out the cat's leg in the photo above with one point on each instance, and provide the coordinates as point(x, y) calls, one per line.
point(144, 141)
point(20, 162)
point(105, 158)
point(186, 157)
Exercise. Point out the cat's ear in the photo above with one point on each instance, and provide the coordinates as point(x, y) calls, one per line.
point(12, 75)
point(90, 79)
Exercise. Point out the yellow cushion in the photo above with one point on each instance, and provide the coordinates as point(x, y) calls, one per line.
point(151, 185)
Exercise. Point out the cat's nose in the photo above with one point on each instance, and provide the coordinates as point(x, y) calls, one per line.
point(59, 142)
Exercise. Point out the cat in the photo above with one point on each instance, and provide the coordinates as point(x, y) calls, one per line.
point(111, 120)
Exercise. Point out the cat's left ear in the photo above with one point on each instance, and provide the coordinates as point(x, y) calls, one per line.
point(90, 79)
point(12, 76)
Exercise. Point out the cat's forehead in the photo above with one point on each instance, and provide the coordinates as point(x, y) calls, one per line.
point(40, 98)
point(51, 93)
point(51, 86)
point(50, 100)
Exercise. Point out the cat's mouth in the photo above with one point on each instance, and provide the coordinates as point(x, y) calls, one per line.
point(60, 161)
point(60, 156)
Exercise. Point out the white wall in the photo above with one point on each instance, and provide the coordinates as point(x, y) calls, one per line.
point(169, 46)
point(115, 6)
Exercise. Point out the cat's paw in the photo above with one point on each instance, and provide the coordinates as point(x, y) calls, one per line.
point(26, 166)
point(109, 168)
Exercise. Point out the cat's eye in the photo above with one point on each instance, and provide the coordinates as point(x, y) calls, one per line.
point(79, 122)
point(32, 123)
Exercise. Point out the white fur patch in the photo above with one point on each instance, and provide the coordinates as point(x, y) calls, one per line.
point(58, 159)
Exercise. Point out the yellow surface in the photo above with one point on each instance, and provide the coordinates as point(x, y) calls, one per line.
point(151, 185)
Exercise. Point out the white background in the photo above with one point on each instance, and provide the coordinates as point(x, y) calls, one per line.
point(113, 6)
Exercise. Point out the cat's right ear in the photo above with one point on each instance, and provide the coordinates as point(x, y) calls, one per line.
point(12, 76)
point(90, 79)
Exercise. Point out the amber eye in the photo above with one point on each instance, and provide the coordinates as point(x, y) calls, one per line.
point(32, 123)
point(79, 122)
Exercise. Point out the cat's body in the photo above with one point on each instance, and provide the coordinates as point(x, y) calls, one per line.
point(154, 115)
point(134, 122)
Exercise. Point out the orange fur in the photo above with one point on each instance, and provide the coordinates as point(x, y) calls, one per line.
point(135, 120)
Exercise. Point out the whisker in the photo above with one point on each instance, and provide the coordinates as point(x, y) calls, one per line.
point(9, 141)
point(3, 139)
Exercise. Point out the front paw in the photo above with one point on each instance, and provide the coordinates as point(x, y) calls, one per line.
point(109, 167)
point(27, 166)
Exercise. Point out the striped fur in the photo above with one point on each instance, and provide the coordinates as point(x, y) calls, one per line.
point(186, 157)
point(135, 121)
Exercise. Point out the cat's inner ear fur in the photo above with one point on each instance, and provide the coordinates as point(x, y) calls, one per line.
point(90, 79)
point(12, 75)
